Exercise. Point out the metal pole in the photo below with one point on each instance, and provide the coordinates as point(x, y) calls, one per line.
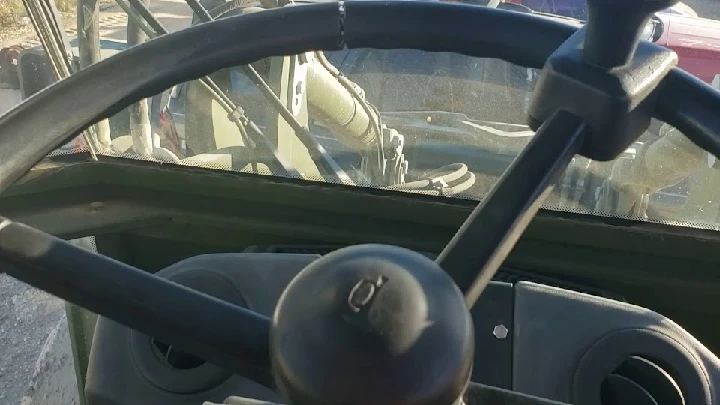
point(139, 112)
point(49, 27)
point(88, 28)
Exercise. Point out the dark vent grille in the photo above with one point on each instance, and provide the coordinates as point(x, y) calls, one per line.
point(505, 275)
point(175, 358)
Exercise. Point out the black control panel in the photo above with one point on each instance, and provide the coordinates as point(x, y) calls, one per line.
point(505, 274)
point(533, 335)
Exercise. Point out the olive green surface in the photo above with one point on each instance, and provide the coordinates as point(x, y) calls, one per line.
point(151, 215)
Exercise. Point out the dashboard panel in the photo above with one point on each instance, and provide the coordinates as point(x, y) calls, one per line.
point(535, 335)
point(505, 274)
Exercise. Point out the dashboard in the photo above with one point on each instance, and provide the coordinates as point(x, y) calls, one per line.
point(535, 335)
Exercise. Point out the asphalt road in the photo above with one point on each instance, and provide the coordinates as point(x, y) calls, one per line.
point(705, 8)
point(35, 361)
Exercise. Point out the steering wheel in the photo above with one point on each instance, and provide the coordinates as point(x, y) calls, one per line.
point(366, 324)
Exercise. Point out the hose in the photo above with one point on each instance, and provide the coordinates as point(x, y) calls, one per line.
point(446, 181)
point(370, 110)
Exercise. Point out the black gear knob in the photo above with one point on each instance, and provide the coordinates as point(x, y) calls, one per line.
point(614, 27)
point(372, 324)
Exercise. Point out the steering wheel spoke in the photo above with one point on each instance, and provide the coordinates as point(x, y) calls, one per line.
point(224, 334)
point(492, 229)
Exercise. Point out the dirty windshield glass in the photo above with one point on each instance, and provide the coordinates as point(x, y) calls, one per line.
point(440, 124)
point(436, 123)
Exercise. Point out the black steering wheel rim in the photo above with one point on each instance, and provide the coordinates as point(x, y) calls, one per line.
point(155, 66)
point(33, 129)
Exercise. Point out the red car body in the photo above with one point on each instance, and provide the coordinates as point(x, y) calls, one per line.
point(696, 42)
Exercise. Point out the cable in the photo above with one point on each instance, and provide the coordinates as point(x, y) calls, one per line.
point(149, 22)
point(317, 152)
point(153, 28)
point(199, 10)
point(319, 155)
point(446, 181)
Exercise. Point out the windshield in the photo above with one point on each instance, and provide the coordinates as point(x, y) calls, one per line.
point(411, 121)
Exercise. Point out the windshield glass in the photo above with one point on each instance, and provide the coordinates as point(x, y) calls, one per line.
point(436, 123)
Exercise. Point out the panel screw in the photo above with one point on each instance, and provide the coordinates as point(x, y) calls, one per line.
point(500, 331)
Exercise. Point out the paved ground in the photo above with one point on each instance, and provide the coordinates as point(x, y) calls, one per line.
point(35, 360)
point(8, 99)
point(705, 8)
